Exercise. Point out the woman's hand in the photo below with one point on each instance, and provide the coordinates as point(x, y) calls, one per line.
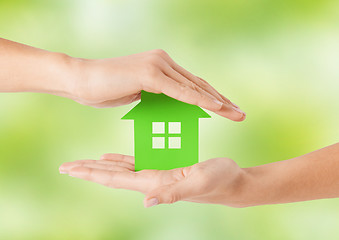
point(106, 82)
point(118, 81)
point(218, 181)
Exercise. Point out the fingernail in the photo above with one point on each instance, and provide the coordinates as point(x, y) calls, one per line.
point(151, 202)
point(62, 170)
point(238, 110)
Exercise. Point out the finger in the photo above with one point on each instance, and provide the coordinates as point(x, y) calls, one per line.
point(117, 157)
point(174, 75)
point(222, 96)
point(65, 167)
point(232, 113)
point(113, 163)
point(172, 193)
point(203, 84)
point(101, 164)
point(231, 102)
point(117, 166)
point(197, 80)
point(184, 93)
point(214, 90)
point(105, 164)
point(194, 84)
point(170, 72)
point(112, 179)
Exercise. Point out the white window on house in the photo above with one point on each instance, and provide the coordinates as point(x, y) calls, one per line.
point(158, 127)
point(158, 142)
point(174, 142)
point(166, 136)
point(174, 127)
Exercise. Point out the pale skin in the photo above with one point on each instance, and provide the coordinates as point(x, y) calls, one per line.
point(220, 180)
point(106, 82)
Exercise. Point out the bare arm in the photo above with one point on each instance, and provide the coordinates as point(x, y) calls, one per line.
point(106, 82)
point(221, 180)
point(27, 69)
point(312, 176)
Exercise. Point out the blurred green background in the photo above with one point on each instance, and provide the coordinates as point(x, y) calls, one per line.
point(277, 59)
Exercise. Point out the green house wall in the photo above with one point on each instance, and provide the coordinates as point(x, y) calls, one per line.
point(163, 159)
point(161, 108)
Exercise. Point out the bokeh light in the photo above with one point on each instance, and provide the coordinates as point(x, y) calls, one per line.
point(278, 60)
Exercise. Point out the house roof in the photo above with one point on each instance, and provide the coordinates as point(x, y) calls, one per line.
point(159, 106)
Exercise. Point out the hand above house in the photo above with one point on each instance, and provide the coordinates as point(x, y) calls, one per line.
point(221, 180)
point(106, 82)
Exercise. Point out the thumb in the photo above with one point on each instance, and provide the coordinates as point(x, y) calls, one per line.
point(170, 193)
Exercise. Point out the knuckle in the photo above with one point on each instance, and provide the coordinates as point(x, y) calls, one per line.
point(195, 87)
point(202, 100)
point(152, 61)
point(159, 52)
point(185, 92)
point(155, 57)
point(150, 81)
point(182, 87)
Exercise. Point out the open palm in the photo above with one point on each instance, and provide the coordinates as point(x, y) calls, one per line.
point(212, 181)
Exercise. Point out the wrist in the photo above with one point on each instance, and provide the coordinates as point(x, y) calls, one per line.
point(239, 193)
point(249, 188)
point(81, 74)
point(262, 185)
point(64, 75)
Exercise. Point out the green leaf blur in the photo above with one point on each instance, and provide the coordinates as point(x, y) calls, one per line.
point(277, 60)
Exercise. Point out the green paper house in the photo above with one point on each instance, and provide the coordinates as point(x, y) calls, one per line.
point(166, 132)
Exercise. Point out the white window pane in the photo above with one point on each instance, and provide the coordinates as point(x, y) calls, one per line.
point(158, 127)
point(158, 142)
point(174, 127)
point(174, 142)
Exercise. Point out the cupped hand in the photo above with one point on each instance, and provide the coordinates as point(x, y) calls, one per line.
point(118, 81)
point(216, 181)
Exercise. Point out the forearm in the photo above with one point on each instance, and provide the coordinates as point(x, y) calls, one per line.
point(311, 176)
point(27, 69)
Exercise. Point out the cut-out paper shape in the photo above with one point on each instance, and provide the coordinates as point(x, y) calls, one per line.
point(166, 132)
